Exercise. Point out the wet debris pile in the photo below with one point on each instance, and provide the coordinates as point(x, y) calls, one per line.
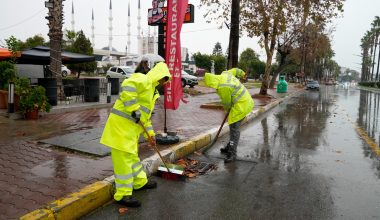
point(194, 168)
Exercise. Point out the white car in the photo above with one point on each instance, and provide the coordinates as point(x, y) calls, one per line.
point(188, 79)
point(65, 71)
point(120, 72)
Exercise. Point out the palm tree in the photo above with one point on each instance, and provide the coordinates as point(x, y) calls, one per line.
point(365, 56)
point(375, 29)
point(377, 25)
point(55, 34)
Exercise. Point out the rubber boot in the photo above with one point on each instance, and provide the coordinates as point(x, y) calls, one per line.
point(227, 148)
point(231, 154)
point(129, 201)
point(151, 184)
point(230, 157)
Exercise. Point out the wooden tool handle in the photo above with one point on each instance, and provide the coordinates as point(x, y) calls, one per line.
point(154, 145)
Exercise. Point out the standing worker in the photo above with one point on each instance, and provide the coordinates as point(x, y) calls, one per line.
point(236, 101)
point(122, 130)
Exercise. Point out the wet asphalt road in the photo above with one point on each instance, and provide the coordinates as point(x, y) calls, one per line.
point(315, 156)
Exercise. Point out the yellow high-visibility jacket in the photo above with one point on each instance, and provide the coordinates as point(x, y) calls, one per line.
point(236, 72)
point(138, 94)
point(235, 97)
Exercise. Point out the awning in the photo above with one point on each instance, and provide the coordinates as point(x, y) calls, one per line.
point(40, 55)
point(6, 54)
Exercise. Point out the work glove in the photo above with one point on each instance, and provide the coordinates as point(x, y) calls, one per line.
point(152, 141)
point(136, 115)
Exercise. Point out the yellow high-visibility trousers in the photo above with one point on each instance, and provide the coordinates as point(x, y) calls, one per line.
point(129, 173)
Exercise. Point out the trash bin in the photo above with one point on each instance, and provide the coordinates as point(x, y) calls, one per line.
point(50, 85)
point(115, 85)
point(282, 86)
point(91, 90)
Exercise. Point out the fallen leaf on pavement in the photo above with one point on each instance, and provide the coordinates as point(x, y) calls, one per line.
point(181, 161)
point(190, 175)
point(123, 210)
point(20, 133)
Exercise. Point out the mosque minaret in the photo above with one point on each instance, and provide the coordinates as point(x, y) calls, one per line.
point(139, 23)
point(129, 30)
point(72, 17)
point(110, 31)
point(93, 29)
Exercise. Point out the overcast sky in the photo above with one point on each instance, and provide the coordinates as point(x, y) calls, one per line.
point(26, 18)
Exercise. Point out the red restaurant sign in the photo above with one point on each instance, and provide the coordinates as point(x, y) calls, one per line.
point(173, 90)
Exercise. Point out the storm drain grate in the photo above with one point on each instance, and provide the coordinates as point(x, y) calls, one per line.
point(194, 168)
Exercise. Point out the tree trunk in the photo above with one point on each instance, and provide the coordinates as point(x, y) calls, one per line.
point(233, 52)
point(280, 68)
point(265, 83)
point(55, 34)
point(378, 63)
point(374, 57)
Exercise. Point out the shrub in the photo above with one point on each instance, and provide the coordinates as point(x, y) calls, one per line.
point(34, 98)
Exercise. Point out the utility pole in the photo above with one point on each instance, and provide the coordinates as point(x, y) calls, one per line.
point(55, 18)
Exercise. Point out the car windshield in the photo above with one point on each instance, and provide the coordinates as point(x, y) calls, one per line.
point(313, 82)
point(127, 69)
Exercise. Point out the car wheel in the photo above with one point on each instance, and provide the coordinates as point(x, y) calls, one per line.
point(183, 83)
point(64, 73)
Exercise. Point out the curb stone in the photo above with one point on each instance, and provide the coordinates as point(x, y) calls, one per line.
point(97, 194)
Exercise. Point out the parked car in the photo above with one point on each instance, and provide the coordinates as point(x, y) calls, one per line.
point(119, 72)
point(312, 85)
point(65, 71)
point(188, 79)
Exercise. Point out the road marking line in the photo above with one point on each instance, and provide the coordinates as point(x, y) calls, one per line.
point(363, 134)
point(375, 148)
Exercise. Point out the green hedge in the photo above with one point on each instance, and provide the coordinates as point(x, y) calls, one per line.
point(370, 84)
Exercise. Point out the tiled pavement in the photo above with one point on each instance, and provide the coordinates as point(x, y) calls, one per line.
point(33, 174)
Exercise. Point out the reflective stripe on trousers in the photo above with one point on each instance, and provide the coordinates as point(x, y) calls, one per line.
point(129, 173)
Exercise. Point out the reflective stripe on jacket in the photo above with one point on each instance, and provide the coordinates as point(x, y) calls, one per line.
point(138, 94)
point(234, 96)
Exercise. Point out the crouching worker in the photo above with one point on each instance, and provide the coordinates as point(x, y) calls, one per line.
point(123, 129)
point(237, 101)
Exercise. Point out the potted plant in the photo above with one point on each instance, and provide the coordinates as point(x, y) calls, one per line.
point(32, 101)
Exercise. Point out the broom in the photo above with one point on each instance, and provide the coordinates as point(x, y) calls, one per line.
point(205, 149)
point(176, 173)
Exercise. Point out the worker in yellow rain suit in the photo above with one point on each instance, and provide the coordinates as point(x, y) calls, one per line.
point(122, 131)
point(237, 101)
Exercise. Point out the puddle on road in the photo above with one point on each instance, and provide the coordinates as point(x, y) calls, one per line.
point(68, 167)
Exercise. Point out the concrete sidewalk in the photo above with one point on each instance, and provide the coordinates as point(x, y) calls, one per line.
point(34, 174)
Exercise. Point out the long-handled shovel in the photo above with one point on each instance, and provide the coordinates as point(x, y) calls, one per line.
point(178, 174)
point(205, 149)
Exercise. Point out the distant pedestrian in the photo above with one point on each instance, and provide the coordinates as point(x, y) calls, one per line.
point(122, 131)
point(237, 101)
